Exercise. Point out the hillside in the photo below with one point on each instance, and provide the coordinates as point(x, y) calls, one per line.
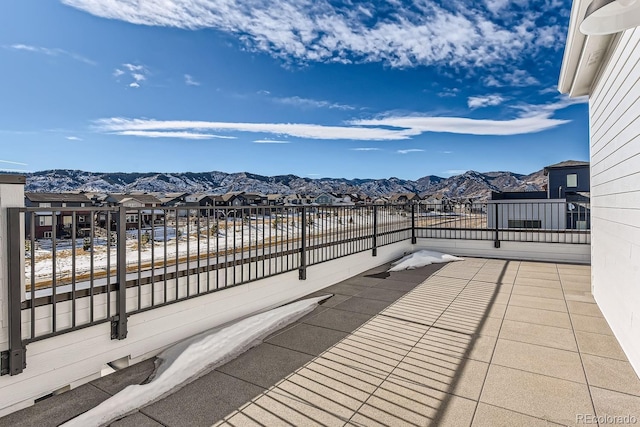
point(470, 184)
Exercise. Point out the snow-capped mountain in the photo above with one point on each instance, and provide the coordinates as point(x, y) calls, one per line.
point(470, 184)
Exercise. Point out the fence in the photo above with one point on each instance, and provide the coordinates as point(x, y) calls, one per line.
point(99, 265)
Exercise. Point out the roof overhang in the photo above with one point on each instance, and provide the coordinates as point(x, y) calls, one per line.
point(583, 55)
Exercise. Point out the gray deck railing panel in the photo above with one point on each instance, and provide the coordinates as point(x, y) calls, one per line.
point(91, 265)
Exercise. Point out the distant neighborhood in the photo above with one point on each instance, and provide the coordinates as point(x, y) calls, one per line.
point(569, 181)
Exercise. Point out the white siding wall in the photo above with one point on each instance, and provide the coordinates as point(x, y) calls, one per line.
point(539, 251)
point(615, 193)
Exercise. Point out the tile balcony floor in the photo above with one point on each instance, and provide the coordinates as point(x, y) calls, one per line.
point(473, 343)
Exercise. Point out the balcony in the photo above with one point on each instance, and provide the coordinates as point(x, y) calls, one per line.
point(476, 342)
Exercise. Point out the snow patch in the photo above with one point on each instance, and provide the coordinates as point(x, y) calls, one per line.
point(422, 258)
point(193, 358)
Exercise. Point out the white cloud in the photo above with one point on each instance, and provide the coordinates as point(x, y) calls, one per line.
point(517, 78)
point(484, 101)
point(74, 138)
point(136, 72)
point(365, 149)
point(51, 52)
point(455, 171)
point(409, 150)
point(167, 134)
point(297, 101)
point(496, 6)
point(134, 67)
point(299, 130)
point(190, 81)
point(553, 89)
point(410, 34)
point(270, 141)
point(562, 102)
point(14, 163)
point(531, 119)
point(447, 152)
point(449, 92)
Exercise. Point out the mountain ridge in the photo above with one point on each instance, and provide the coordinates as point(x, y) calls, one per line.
point(471, 184)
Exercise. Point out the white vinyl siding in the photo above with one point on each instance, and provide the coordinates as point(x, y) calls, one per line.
point(614, 108)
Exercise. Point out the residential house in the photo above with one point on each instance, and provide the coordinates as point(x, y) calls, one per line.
point(381, 200)
point(360, 199)
point(565, 204)
point(567, 178)
point(203, 200)
point(433, 202)
point(135, 217)
point(326, 199)
point(133, 200)
point(172, 199)
point(62, 222)
point(404, 198)
point(298, 199)
point(275, 199)
point(255, 199)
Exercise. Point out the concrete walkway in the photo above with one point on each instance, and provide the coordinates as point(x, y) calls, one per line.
point(479, 342)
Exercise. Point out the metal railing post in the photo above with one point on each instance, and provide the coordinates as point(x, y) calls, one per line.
point(374, 250)
point(414, 240)
point(302, 270)
point(119, 321)
point(14, 360)
point(496, 240)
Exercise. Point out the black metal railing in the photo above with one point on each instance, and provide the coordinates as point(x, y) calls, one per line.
point(544, 221)
point(90, 265)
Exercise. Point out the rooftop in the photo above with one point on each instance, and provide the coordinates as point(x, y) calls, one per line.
point(566, 164)
point(476, 342)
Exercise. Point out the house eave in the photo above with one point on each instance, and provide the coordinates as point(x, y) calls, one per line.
point(583, 55)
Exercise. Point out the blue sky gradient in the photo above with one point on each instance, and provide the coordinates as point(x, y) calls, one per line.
point(366, 89)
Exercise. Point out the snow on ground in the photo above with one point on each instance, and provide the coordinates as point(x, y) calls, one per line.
point(190, 359)
point(422, 258)
point(230, 234)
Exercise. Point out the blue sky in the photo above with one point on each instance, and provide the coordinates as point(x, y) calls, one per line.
point(317, 88)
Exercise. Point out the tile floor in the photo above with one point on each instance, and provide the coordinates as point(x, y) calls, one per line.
point(478, 343)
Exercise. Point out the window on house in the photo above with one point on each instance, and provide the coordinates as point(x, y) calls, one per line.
point(47, 234)
point(44, 221)
point(45, 205)
point(67, 220)
point(572, 180)
point(132, 218)
point(81, 218)
point(525, 223)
